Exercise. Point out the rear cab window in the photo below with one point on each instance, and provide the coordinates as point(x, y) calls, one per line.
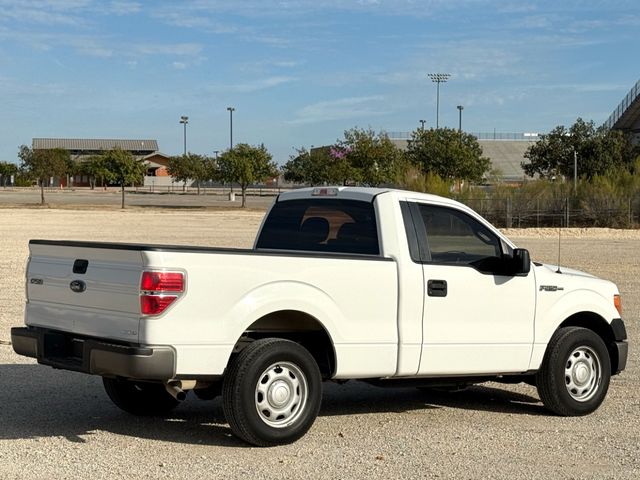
point(321, 225)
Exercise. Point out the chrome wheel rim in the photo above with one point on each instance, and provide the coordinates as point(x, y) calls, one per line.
point(281, 394)
point(583, 374)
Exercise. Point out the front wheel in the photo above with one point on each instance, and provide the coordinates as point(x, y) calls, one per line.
point(139, 398)
point(574, 377)
point(272, 392)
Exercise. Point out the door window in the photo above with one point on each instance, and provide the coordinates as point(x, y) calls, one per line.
point(453, 237)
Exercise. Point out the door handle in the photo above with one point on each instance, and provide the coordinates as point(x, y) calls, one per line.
point(437, 288)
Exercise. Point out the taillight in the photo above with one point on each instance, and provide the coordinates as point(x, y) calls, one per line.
point(617, 302)
point(162, 282)
point(158, 290)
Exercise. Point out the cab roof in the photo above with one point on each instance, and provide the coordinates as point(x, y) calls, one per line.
point(365, 194)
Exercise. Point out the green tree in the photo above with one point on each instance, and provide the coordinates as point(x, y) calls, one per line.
point(191, 167)
point(317, 166)
point(96, 168)
point(179, 169)
point(211, 169)
point(44, 164)
point(245, 165)
point(7, 169)
point(372, 157)
point(448, 153)
point(122, 168)
point(597, 152)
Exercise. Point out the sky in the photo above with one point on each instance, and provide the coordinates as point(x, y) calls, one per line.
point(301, 72)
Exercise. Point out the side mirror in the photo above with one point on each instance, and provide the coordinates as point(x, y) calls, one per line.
point(521, 262)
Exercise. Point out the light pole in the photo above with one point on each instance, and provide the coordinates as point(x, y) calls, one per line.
point(438, 78)
point(216, 152)
point(575, 171)
point(460, 108)
point(231, 110)
point(422, 122)
point(184, 120)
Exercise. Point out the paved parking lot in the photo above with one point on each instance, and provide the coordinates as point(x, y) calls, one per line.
point(166, 198)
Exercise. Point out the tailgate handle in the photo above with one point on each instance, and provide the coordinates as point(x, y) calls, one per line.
point(80, 266)
point(437, 288)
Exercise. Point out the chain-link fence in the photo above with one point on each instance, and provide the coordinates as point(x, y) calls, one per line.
point(527, 212)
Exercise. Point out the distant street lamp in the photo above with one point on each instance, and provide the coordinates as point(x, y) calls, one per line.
point(231, 110)
point(184, 120)
point(575, 171)
point(460, 108)
point(438, 78)
point(216, 152)
point(422, 122)
point(575, 165)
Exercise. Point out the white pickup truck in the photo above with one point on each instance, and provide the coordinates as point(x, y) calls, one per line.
point(343, 283)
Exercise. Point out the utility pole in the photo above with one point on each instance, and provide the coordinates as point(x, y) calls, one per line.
point(460, 108)
point(184, 120)
point(438, 78)
point(575, 171)
point(231, 110)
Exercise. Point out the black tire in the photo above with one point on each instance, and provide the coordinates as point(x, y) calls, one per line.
point(139, 398)
point(574, 376)
point(267, 372)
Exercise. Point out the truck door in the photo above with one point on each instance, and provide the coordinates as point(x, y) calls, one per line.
point(475, 318)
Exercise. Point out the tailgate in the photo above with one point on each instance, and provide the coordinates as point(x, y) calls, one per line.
point(90, 290)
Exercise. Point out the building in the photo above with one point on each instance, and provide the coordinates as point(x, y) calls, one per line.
point(626, 116)
point(81, 149)
point(505, 150)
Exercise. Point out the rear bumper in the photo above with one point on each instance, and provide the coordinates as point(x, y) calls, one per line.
point(95, 356)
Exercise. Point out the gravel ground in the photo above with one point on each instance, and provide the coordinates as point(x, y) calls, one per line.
point(60, 425)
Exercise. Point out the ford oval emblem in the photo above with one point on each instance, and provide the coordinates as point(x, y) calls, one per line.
point(78, 286)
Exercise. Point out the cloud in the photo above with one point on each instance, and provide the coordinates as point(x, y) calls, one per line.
point(14, 87)
point(344, 108)
point(179, 65)
point(185, 49)
point(186, 17)
point(119, 7)
point(263, 66)
point(253, 86)
point(24, 13)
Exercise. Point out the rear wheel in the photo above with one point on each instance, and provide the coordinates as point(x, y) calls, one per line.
point(272, 392)
point(574, 377)
point(139, 398)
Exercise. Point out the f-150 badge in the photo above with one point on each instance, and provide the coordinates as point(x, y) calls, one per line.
point(550, 288)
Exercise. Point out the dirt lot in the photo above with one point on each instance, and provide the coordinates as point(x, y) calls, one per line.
point(59, 425)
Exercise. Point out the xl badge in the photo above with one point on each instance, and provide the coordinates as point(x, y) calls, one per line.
point(78, 286)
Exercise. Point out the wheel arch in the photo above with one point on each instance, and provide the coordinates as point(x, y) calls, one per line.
point(300, 327)
point(594, 322)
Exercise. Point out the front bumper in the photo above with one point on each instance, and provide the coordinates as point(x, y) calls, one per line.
point(622, 349)
point(95, 356)
point(620, 343)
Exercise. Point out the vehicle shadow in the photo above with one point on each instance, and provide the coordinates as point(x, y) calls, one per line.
point(360, 398)
point(37, 401)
